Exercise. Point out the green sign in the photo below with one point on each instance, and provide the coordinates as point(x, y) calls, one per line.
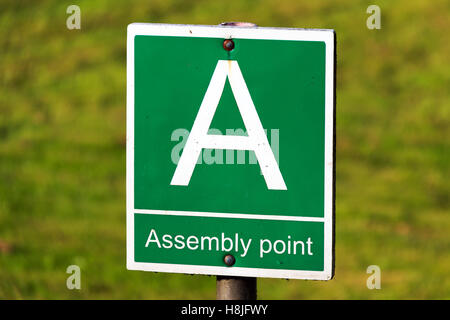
point(230, 150)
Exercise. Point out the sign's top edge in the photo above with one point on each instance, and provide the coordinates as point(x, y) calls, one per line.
point(168, 25)
point(237, 32)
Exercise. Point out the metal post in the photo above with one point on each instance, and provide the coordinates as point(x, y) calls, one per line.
point(228, 287)
point(236, 288)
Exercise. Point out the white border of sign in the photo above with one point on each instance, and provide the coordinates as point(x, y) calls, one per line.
point(225, 32)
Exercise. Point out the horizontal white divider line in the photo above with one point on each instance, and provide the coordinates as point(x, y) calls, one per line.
point(215, 141)
point(229, 215)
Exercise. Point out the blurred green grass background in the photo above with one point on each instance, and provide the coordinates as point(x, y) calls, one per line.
point(62, 147)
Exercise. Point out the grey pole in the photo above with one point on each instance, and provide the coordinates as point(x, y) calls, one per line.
point(235, 288)
point(228, 287)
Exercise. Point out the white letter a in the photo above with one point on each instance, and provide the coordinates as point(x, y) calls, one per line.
point(200, 139)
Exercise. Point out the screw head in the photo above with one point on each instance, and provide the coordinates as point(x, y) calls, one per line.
point(228, 44)
point(229, 260)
